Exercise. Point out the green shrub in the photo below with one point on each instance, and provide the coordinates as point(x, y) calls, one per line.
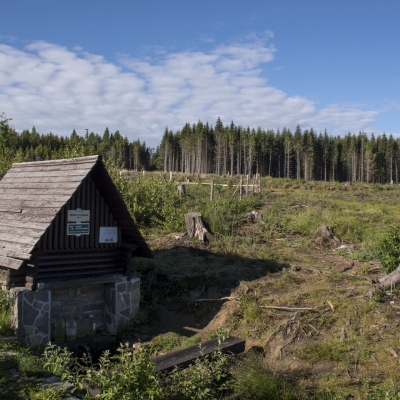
point(130, 374)
point(41, 393)
point(388, 249)
point(152, 200)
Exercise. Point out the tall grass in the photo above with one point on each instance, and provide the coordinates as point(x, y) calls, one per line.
point(221, 214)
point(254, 381)
point(5, 314)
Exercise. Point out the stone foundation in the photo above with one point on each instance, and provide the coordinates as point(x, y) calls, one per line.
point(121, 303)
point(31, 319)
point(112, 300)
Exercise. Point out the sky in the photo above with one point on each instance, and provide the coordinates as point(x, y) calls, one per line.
point(141, 66)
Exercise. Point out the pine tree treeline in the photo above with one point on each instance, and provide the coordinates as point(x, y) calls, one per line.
point(307, 155)
point(32, 146)
point(201, 148)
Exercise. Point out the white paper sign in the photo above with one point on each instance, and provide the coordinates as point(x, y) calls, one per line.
point(108, 234)
point(78, 215)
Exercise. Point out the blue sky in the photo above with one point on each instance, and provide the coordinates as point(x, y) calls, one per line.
point(139, 66)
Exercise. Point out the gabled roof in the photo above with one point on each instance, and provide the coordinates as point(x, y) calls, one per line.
point(32, 193)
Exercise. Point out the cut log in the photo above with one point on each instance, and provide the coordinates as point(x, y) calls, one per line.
point(195, 226)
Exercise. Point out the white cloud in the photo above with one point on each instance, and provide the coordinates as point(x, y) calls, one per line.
point(58, 89)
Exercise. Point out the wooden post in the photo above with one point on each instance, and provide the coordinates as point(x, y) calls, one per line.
point(212, 191)
point(247, 184)
point(240, 186)
point(170, 175)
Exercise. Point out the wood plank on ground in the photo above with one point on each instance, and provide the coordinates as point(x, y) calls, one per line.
point(185, 357)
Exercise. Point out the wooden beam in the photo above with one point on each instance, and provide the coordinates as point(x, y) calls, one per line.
point(10, 262)
point(183, 358)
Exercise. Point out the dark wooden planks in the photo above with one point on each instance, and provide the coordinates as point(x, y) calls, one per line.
point(185, 357)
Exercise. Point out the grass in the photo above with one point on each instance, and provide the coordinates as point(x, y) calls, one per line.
point(253, 380)
point(28, 362)
point(355, 336)
point(5, 314)
point(340, 350)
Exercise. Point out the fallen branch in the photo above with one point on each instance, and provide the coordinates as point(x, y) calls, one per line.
point(314, 328)
point(331, 306)
point(394, 353)
point(221, 299)
point(289, 308)
point(291, 340)
point(278, 329)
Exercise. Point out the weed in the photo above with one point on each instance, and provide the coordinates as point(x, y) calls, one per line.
point(316, 352)
point(250, 309)
point(252, 380)
point(166, 342)
point(131, 375)
point(5, 314)
point(41, 393)
point(190, 342)
point(378, 296)
point(388, 249)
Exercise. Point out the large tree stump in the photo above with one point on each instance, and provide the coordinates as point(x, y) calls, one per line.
point(195, 226)
point(326, 236)
point(182, 190)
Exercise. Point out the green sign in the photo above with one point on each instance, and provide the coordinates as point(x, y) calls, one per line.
point(78, 229)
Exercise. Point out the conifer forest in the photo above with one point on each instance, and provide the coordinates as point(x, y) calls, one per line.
point(222, 149)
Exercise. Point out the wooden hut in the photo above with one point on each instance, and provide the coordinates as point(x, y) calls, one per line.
point(63, 224)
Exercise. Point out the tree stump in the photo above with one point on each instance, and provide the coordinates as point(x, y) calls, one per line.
point(182, 190)
point(195, 226)
point(326, 236)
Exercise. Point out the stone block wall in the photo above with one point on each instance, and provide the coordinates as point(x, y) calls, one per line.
point(31, 318)
point(113, 304)
point(121, 303)
point(79, 302)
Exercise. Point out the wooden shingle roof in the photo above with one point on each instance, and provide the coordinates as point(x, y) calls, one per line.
point(32, 193)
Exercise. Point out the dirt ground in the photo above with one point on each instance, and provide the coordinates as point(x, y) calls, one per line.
point(301, 304)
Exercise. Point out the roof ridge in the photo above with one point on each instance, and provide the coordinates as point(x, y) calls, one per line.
point(76, 160)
